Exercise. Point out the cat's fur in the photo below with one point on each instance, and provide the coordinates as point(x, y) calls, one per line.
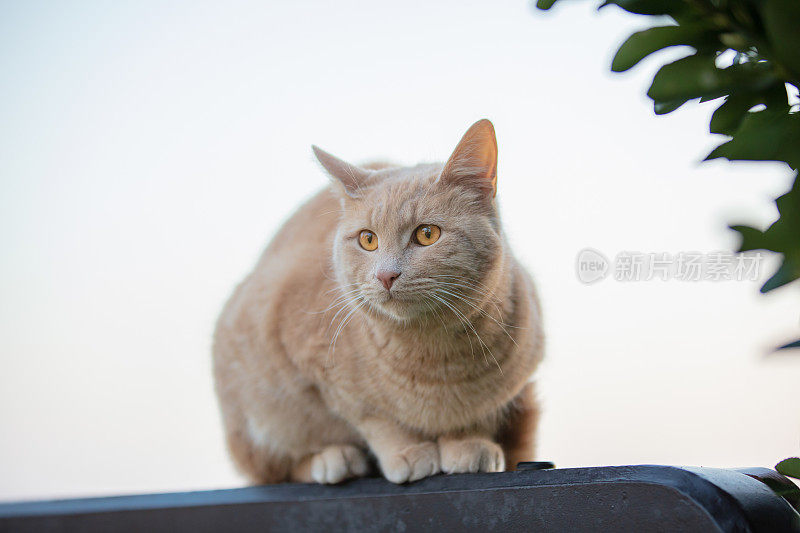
point(319, 367)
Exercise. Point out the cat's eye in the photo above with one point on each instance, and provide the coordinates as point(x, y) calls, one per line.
point(368, 240)
point(427, 234)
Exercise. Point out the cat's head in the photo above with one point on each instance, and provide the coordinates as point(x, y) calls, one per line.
point(412, 240)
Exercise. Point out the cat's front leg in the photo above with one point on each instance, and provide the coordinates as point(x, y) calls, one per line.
point(474, 453)
point(331, 465)
point(402, 456)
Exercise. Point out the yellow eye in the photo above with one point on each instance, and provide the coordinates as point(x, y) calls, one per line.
point(368, 240)
point(427, 234)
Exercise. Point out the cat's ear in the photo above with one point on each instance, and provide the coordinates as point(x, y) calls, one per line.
point(474, 161)
point(351, 177)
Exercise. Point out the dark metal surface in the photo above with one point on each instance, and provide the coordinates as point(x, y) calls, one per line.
point(778, 483)
point(535, 465)
point(629, 498)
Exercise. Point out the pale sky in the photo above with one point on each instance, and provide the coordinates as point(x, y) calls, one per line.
point(148, 151)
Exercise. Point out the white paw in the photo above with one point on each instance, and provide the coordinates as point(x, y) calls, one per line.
point(412, 463)
point(337, 463)
point(471, 455)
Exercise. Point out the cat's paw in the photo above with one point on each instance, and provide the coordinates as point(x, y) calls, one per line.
point(471, 455)
point(412, 463)
point(337, 463)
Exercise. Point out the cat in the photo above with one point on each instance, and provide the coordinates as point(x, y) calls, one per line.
point(387, 322)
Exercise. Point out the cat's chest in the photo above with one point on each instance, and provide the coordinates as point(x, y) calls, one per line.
point(433, 387)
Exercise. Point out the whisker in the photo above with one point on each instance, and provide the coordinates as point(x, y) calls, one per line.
point(455, 312)
point(336, 302)
point(342, 324)
point(344, 305)
point(487, 315)
point(483, 293)
point(483, 344)
point(493, 299)
point(434, 311)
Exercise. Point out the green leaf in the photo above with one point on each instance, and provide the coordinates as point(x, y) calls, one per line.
point(727, 118)
point(698, 76)
point(764, 136)
point(643, 43)
point(789, 467)
point(789, 209)
point(544, 5)
point(685, 78)
point(752, 239)
point(647, 7)
point(662, 108)
point(795, 344)
point(781, 19)
point(704, 99)
point(780, 237)
point(776, 97)
point(788, 272)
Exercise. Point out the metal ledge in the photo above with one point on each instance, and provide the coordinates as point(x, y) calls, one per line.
point(625, 498)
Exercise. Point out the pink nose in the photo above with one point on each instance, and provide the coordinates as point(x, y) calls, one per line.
point(387, 277)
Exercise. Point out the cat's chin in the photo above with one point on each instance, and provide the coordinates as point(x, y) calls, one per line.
point(397, 308)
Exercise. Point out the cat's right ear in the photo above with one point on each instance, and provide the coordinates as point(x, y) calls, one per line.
point(351, 177)
point(474, 161)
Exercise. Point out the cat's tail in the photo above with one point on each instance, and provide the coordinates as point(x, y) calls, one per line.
point(518, 436)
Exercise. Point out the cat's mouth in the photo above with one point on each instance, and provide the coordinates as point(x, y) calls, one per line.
point(394, 300)
point(390, 296)
point(395, 305)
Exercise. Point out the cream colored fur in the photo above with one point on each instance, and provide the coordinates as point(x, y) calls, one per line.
point(319, 368)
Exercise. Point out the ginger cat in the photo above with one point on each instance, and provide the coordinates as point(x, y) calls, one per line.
point(388, 319)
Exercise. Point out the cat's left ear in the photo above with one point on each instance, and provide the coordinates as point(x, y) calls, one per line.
point(351, 177)
point(474, 161)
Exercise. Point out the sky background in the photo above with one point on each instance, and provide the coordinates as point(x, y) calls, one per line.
point(149, 150)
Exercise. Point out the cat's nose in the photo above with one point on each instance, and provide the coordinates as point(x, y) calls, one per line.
point(387, 277)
